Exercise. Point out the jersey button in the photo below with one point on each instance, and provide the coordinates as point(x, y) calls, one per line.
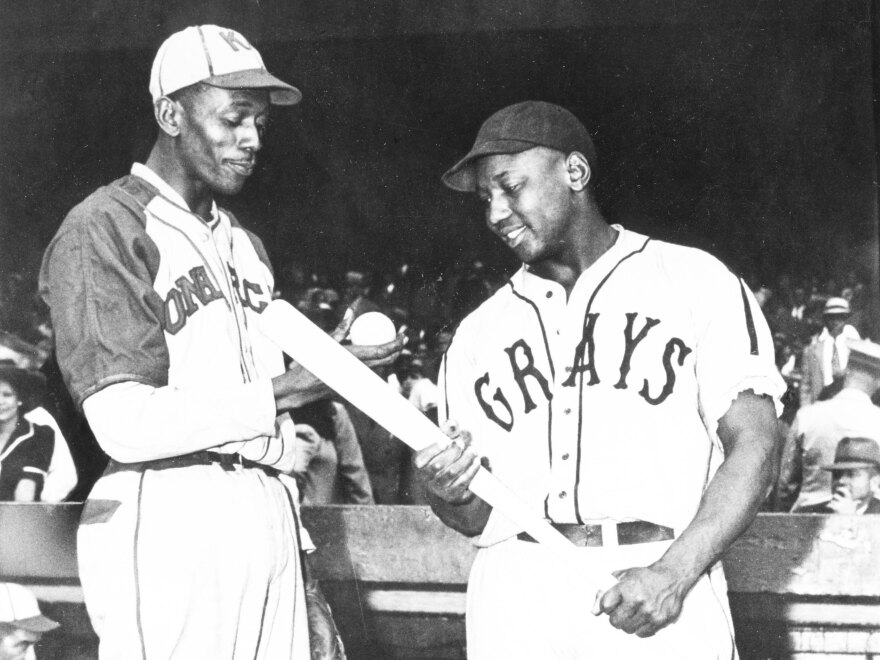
point(563, 495)
point(549, 294)
point(566, 456)
point(567, 411)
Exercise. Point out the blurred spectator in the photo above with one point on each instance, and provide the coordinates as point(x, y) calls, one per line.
point(811, 442)
point(358, 285)
point(25, 448)
point(415, 386)
point(423, 394)
point(825, 359)
point(329, 465)
point(855, 479)
point(22, 624)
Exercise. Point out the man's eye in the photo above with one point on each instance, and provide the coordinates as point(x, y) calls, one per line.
point(232, 122)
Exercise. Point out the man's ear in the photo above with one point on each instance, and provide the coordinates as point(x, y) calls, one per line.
point(169, 115)
point(578, 169)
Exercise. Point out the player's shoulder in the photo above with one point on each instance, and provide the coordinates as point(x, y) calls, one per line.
point(482, 323)
point(120, 203)
point(684, 268)
point(681, 259)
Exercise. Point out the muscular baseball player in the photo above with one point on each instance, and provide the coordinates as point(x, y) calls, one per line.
point(625, 388)
point(188, 545)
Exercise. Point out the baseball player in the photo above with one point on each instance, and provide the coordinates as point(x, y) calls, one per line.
point(625, 388)
point(188, 545)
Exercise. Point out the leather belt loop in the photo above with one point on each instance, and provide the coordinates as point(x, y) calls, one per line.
point(610, 538)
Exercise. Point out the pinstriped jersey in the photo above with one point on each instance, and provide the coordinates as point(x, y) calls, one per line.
point(606, 404)
point(157, 296)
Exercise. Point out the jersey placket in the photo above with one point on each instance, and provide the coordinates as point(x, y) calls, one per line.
point(221, 239)
point(565, 333)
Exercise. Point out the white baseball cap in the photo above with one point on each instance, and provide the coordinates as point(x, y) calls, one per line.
point(216, 56)
point(19, 608)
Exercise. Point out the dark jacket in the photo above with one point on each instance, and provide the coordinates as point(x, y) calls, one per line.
point(26, 455)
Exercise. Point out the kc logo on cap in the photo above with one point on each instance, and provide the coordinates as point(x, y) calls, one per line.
point(215, 56)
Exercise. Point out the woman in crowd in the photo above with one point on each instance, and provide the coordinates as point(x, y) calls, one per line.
point(25, 448)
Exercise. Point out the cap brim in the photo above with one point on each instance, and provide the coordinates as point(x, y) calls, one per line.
point(280, 93)
point(461, 176)
point(850, 465)
point(35, 624)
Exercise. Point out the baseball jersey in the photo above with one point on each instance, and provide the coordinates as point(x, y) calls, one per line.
point(142, 291)
point(606, 405)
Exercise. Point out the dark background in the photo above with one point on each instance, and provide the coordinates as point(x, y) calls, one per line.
point(745, 127)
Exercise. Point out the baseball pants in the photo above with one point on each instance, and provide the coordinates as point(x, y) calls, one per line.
point(193, 562)
point(523, 604)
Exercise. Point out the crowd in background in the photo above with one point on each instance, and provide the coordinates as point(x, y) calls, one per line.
point(346, 457)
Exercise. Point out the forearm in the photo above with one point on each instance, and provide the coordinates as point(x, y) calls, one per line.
point(134, 422)
point(727, 508)
point(469, 518)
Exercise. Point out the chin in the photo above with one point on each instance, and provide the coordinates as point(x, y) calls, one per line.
point(227, 188)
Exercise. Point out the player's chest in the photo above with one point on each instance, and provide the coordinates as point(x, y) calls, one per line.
point(598, 352)
point(204, 278)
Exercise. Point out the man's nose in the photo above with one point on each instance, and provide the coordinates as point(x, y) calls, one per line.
point(250, 137)
point(497, 210)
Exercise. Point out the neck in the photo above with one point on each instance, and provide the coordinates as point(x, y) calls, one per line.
point(7, 426)
point(591, 237)
point(164, 162)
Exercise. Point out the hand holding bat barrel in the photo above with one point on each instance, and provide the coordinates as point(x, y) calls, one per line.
point(449, 470)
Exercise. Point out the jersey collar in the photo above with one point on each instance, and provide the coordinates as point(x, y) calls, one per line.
point(142, 171)
point(533, 285)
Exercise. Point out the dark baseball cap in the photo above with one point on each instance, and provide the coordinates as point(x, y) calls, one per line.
point(518, 128)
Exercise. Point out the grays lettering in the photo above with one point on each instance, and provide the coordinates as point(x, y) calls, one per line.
point(180, 302)
point(521, 359)
point(482, 382)
point(631, 343)
point(586, 345)
point(671, 345)
point(529, 369)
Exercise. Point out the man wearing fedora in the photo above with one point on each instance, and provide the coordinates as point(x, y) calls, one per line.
point(824, 360)
point(811, 441)
point(855, 479)
point(22, 624)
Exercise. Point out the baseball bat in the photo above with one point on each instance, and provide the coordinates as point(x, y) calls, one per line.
point(315, 350)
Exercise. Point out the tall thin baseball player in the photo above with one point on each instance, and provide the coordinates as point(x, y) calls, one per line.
point(188, 545)
point(625, 388)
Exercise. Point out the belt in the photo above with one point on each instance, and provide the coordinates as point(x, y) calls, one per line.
point(628, 533)
point(228, 462)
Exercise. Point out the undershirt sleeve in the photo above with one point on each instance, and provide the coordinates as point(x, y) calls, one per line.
point(135, 422)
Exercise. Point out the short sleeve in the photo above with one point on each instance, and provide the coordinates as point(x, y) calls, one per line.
point(96, 279)
point(735, 351)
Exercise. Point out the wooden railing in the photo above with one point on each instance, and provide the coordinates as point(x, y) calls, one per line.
point(800, 586)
